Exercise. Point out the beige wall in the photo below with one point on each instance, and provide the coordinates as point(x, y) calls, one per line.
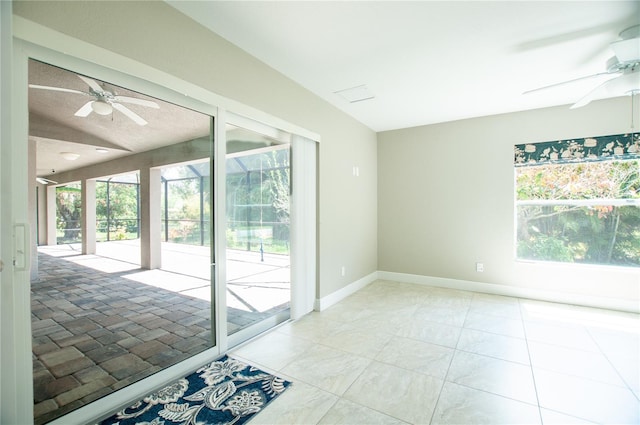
point(446, 200)
point(156, 35)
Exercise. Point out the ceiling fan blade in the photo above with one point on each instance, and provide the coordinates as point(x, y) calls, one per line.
point(128, 112)
point(578, 34)
point(600, 74)
point(586, 99)
point(136, 101)
point(36, 86)
point(91, 83)
point(42, 180)
point(85, 110)
point(627, 83)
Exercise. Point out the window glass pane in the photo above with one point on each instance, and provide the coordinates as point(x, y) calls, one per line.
point(117, 210)
point(185, 205)
point(100, 319)
point(68, 214)
point(579, 213)
point(257, 236)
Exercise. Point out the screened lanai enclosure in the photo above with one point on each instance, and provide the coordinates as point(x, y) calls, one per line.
point(257, 205)
point(257, 226)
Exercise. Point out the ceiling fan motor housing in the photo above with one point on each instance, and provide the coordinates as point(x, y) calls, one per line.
point(627, 50)
point(615, 66)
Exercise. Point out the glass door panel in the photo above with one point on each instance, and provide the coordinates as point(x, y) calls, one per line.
point(258, 272)
point(122, 288)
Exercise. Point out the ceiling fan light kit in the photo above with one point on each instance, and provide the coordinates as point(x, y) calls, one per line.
point(69, 156)
point(101, 107)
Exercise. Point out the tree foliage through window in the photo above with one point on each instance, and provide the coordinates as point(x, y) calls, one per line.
point(581, 212)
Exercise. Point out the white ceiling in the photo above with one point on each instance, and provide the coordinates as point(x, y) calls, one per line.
point(426, 61)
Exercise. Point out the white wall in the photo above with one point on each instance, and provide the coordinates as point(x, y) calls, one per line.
point(158, 36)
point(446, 201)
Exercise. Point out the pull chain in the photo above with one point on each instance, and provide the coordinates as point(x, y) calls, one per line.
point(633, 104)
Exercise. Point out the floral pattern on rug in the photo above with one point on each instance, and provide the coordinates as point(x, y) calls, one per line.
point(225, 391)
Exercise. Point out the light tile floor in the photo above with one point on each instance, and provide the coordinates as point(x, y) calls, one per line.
point(397, 353)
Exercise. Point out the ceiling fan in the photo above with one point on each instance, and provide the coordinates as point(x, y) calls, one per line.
point(104, 101)
point(622, 75)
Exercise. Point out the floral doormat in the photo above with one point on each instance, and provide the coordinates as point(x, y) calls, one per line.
point(225, 391)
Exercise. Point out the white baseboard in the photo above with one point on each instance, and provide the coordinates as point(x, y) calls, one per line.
point(514, 291)
point(337, 296)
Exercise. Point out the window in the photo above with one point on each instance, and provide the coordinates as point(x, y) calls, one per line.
point(578, 201)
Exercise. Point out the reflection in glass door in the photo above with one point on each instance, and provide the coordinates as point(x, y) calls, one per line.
point(258, 273)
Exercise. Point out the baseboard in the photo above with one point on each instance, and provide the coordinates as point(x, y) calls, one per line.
point(514, 291)
point(337, 296)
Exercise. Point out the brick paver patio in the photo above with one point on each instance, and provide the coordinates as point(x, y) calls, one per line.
point(97, 328)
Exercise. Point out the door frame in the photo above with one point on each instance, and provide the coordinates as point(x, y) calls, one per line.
point(16, 390)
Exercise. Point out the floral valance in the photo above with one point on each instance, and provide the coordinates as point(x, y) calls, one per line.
point(616, 147)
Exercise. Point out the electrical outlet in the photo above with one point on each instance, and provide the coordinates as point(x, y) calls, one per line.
point(479, 267)
point(342, 271)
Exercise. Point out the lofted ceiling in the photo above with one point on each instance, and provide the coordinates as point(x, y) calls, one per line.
point(421, 62)
point(425, 62)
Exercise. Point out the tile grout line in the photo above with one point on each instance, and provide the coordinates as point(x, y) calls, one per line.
point(533, 375)
point(455, 350)
point(626, 385)
point(280, 371)
point(341, 396)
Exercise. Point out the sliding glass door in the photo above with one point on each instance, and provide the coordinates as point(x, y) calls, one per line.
point(257, 231)
point(121, 288)
point(153, 252)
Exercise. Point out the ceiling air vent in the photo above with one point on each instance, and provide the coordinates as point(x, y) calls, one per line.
point(356, 94)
